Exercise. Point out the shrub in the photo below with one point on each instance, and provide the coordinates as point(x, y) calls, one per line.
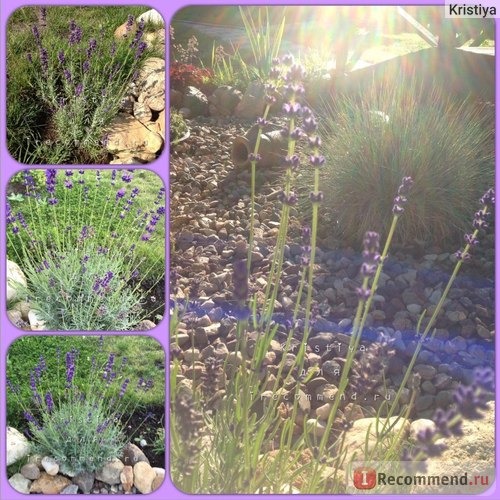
point(76, 407)
point(79, 80)
point(445, 146)
point(178, 126)
point(81, 241)
point(183, 75)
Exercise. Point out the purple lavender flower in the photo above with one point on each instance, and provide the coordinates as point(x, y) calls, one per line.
point(146, 237)
point(68, 184)
point(36, 34)
point(254, 157)
point(13, 388)
point(86, 66)
point(138, 34)
point(130, 22)
point(291, 109)
point(400, 200)
point(43, 15)
point(140, 49)
point(317, 160)
point(44, 59)
point(488, 198)
point(296, 134)
point(314, 142)
point(50, 180)
point(78, 89)
point(108, 370)
point(470, 239)
point(60, 56)
point(295, 74)
point(309, 125)
point(124, 388)
point(67, 75)
point(31, 419)
point(463, 256)
point(49, 402)
point(75, 35)
point(316, 197)
point(91, 48)
point(102, 427)
point(288, 199)
point(127, 177)
point(70, 368)
point(120, 194)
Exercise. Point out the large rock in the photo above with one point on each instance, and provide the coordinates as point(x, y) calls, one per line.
point(15, 279)
point(50, 465)
point(152, 16)
point(224, 100)
point(30, 471)
point(196, 101)
point(129, 137)
point(152, 65)
point(127, 478)
point(366, 432)
point(71, 489)
point(142, 112)
point(153, 90)
point(110, 473)
point(35, 322)
point(20, 483)
point(132, 454)
point(122, 32)
point(253, 101)
point(49, 485)
point(144, 475)
point(85, 481)
point(18, 446)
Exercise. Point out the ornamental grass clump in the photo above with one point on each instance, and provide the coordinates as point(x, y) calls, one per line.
point(372, 141)
point(89, 248)
point(79, 421)
point(80, 80)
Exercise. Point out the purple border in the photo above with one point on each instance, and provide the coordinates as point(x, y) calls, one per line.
point(8, 167)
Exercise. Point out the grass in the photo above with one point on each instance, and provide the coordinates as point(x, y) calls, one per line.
point(31, 127)
point(446, 146)
point(145, 357)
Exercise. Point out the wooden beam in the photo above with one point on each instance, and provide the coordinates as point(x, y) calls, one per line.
point(421, 30)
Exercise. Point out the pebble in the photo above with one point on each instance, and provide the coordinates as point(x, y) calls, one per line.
point(50, 466)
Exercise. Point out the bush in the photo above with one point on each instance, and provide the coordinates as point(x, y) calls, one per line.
point(178, 126)
point(78, 78)
point(183, 75)
point(445, 146)
point(82, 240)
point(76, 405)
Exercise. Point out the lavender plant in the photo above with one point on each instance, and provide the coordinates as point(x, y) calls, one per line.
point(80, 80)
point(77, 420)
point(90, 249)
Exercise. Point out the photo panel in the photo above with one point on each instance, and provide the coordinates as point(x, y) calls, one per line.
point(332, 266)
point(86, 414)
